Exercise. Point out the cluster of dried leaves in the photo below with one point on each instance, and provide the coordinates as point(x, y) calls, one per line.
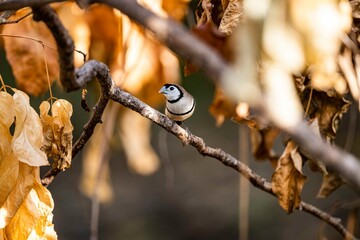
point(301, 46)
point(25, 204)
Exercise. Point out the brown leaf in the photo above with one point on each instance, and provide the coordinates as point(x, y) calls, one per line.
point(57, 130)
point(328, 109)
point(221, 108)
point(7, 114)
point(330, 183)
point(233, 14)
point(33, 218)
point(262, 142)
point(26, 57)
point(288, 180)
point(25, 180)
point(105, 28)
point(27, 139)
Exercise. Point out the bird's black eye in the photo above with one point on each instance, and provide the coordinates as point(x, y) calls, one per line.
point(171, 88)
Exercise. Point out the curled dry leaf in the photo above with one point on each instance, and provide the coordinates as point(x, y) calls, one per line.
point(330, 183)
point(233, 14)
point(27, 139)
point(262, 141)
point(26, 56)
point(328, 109)
point(288, 180)
point(57, 130)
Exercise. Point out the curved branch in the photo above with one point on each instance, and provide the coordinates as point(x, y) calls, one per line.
point(64, 42)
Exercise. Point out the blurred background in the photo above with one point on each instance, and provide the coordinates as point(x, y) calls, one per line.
point(183, 195)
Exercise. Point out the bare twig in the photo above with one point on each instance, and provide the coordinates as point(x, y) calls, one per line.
point(5, 21)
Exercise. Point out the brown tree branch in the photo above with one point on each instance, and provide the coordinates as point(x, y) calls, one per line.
point(17, 4)
point(64, 42)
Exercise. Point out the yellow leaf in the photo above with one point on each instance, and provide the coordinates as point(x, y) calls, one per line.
point(57, 130)
point(288, 180)
point(26, 56)
point(24, 183)
point(28, 138)
point(33, 219)
point(7, 114)
point(9, 172)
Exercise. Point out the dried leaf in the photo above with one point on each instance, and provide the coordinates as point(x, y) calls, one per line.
point(105, 29)
point(233, 14)
point(328, 109)
point(330, 183)
point(33, 218)
point(262, 141)
point(288, 180)
point(57, 130)
point(25, 180)
point(74, 21)
point(221, 108)
point(27, 139)
point(7, 116)
point(26, 57)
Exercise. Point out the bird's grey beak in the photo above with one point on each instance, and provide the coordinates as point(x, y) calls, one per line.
point(162, 90)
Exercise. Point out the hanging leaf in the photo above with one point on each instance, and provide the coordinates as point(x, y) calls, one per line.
point(27, 139)
point(26, 56)
point(57, 131)
point(288, 180)
point(330, 183)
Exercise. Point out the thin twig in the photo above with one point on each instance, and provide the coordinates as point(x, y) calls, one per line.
point(3, 21)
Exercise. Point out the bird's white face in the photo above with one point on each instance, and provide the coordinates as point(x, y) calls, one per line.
point(171, 92)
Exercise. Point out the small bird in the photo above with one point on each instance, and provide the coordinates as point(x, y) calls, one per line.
point(180, 104)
